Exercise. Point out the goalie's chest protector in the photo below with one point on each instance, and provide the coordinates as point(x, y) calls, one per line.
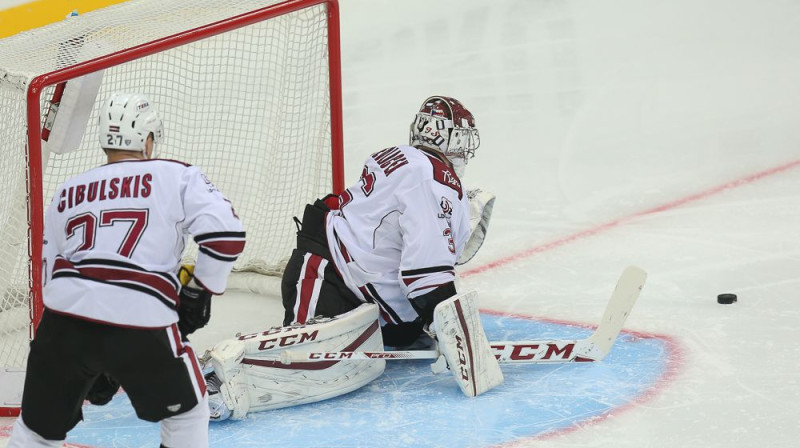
point(407, 212)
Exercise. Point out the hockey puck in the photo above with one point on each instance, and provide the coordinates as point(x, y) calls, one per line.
point(726, 299)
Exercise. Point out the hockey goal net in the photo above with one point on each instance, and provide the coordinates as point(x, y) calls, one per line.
point(249, 90)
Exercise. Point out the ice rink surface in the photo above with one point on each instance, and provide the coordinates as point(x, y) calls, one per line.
point(659, 134)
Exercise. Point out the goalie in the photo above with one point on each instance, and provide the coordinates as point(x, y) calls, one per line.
point(372, 267)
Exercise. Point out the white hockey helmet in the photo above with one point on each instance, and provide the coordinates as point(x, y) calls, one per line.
point(444, 124)
point(126, 120)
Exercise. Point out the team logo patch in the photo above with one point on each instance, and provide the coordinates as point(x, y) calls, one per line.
point(174, 407)
point(447, 208)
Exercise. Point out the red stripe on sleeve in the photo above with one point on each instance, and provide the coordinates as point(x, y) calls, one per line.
point(307, 282)
point(230, 248)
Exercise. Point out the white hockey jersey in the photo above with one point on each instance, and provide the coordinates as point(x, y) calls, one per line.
point(114, 237)
point(399, 230)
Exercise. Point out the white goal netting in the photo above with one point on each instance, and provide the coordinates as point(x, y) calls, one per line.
point(251, 106)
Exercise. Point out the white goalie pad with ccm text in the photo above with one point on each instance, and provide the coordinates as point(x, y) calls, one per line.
point(254, 379)
point(463, 344)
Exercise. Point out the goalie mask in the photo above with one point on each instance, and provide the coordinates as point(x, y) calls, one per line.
point(444, 124)
point(126, 120)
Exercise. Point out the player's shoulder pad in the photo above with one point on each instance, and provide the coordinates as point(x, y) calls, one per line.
point(416, 165)
point(394, 159)
point(187, 165)
point(443, 173)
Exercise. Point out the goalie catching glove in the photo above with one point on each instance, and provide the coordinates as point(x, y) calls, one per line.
point(481, 204)
point(194, 310)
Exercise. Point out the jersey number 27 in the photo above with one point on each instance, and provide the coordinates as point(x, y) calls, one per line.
point(88, 223)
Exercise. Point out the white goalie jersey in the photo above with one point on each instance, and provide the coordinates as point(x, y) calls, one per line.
point(408, 210)
point(114, 237)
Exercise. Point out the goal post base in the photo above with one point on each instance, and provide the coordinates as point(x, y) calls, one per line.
point(12, 380)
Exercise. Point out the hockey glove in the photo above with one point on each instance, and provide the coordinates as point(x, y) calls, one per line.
point(194, 311)
point(426, 303)
point(103, 389)
point(481, 204)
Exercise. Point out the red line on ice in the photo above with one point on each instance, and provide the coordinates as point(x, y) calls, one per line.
point(675, 356)
point(619, 221)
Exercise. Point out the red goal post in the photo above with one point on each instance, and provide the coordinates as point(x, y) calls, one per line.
point(249, 90)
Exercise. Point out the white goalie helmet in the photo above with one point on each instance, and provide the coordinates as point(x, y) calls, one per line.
point(444, 124)
point(126, 120)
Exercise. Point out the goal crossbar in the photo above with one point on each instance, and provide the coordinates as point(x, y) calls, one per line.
point(39, 83)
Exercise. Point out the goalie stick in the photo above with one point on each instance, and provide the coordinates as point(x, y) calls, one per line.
point(593, 348)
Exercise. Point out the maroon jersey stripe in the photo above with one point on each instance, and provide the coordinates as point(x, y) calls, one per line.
point(306, 290)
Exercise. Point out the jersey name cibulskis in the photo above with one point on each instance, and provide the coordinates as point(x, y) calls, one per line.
point(408, 209)
point(114, 237)
point(106, 189)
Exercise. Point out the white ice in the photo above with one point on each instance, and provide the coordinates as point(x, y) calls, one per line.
point(592, 111)
point(608, 130)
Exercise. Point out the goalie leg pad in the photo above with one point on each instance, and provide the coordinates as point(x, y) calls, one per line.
point(225, 359)
point(463, 344)
point(254, 379)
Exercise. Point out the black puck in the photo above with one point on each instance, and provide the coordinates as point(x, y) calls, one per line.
point(726, 299)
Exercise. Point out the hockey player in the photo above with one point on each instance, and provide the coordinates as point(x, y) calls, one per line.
point(370, 268)
point(394, 238)
point(114, 309)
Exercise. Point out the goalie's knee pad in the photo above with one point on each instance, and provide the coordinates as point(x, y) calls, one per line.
point(252, 377)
